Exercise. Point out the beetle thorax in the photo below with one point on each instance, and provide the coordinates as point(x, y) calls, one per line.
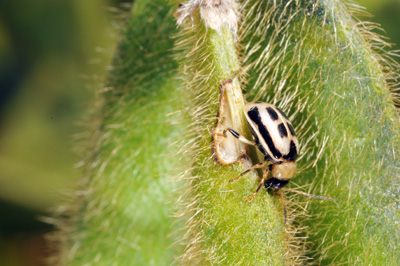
point(283, 171)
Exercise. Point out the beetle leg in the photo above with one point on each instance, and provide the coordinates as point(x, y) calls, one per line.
point(259, 187)
point(256, 166)
point(236, 135)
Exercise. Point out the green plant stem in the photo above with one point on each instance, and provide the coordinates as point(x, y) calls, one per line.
point(222, 229)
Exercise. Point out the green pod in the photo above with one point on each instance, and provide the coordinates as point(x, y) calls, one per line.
point(317, 63)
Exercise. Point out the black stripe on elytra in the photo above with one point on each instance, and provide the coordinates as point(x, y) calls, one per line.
point(291, 129)
point(260, 147)
point(282, 130)
point(292, 155)
point(272, 113)
point(258, 142)
point(254, 115)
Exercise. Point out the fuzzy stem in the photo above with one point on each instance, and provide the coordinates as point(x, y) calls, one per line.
point(222, 229)
point(126, 217)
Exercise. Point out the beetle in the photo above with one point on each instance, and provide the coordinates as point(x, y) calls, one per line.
point(274, 136)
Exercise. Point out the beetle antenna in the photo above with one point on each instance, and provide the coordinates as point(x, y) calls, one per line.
point(309, 195)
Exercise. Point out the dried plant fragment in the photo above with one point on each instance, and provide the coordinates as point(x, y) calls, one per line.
point(227, 149)
point(214, 13)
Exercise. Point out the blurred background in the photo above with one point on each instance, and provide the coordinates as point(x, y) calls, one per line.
point(53, 55)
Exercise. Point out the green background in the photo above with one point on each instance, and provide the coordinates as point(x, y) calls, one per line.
point(53, 56)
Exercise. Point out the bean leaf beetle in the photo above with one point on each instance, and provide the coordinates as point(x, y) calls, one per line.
point(274, 136)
